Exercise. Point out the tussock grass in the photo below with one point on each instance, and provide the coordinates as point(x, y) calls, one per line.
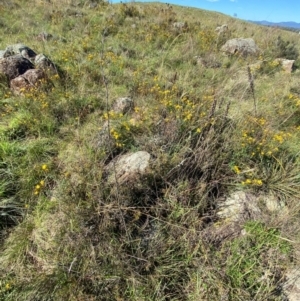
point(68, 233)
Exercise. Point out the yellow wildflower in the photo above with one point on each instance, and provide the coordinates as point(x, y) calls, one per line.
point(236, 169)
point(257, 182)
point(44, 167)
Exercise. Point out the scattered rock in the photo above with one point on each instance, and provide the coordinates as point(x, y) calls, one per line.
point(291, 287)
point(180, 25)
point(222, 29)
point(31, 78)
point(44, 63)
point(44, 36)
point(274, 205)
point(19, 85)
point(15, 65)
point(241, 46)
point(287, 65)
point(209, 61)
point(16, 60)
point(24, 50)
point(123, 105)
point(239, 206)
point(128, 166)
point(93, 5)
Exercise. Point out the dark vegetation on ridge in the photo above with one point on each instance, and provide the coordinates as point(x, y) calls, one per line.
point(292, 26)
point(149, 165)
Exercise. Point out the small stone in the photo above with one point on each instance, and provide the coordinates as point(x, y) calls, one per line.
point(128, 166)
point(123, 105)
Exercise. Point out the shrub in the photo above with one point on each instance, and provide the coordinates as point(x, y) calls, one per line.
point(285, 49)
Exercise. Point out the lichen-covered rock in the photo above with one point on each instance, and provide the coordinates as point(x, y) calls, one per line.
point(287, 65)
point(180, 25)
point(19, 85)
point(273, 205)
point(15, 65)
point(128, 166)
point(44, 63)
point(31, 78)
point(239, 206)
point(240, 46)
point(222, 29)
point(34, 76)
point(24, 50)
point(291, 287)
point(123, 105)
point(16, 60)
point(44, 36)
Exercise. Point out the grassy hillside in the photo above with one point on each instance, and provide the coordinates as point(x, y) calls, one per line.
point(213, 124)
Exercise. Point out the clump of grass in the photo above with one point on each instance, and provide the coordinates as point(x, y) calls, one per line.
point(285, 49)
point(248, 269)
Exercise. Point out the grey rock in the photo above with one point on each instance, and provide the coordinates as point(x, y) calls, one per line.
point(287, 65)
point(179, 25)
point(15, 65)
point(291, 287)
point(34, 76)
point(123, 105)
point(15, 49)
point(93, 5)
point(222, 29)
point(240, 46)
point(239, 206)
point(128, 167)
point(31, 78)
point(19, 85)
point(274, 205)
point(44, 36)
point(44, 63)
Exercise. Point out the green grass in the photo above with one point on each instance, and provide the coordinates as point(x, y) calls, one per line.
point(69, 233)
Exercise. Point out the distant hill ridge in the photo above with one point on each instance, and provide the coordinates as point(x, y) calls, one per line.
point(289, 24)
